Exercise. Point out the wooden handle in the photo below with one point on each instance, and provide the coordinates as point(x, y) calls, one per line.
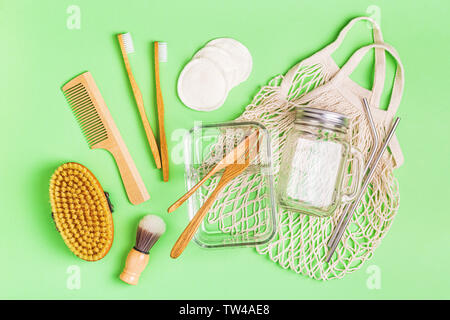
point(140, 104)
point(134, 186)
point(135, 264)
point(160, 106)
point(229, 158)
point(188, 194)
point(231, 172)
point(193, 225)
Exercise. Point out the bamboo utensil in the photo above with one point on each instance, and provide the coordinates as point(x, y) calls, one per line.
point(231, 172)
point(126, 47)
point(160, 55)
point(101, 132)
point(349, 213)
point(230, 158)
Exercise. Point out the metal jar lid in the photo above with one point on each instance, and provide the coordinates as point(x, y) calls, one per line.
point(319, 117)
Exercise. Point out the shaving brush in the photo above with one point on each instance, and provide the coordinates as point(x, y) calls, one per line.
point(150, 228)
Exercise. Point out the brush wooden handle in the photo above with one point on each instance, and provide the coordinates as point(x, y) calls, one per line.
point(135, 264)
point(134, 186)
point(160, 106)
point(140, 104)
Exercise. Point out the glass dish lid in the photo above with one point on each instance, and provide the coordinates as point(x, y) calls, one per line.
point(244, 214)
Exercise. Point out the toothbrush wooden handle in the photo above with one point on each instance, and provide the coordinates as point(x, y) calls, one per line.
point(148, 132)
point(160, 107)
point(134, 265)
point(188, 233)
point(140, 104)
point(132, 181)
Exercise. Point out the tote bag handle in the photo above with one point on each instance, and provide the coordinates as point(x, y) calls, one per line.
point(380, 59)
point(399, 80)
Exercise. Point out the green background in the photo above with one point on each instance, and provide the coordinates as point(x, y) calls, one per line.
point(38, 133)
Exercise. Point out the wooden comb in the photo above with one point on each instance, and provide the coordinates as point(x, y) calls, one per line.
point(101, 132)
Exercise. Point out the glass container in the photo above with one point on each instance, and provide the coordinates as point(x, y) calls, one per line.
point(244, 212)
point(315, 157)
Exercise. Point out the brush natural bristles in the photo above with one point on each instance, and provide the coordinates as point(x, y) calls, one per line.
point(87, 116)
point(150, 228)
point(128, 42)
point(162, 51)
point(81, 211)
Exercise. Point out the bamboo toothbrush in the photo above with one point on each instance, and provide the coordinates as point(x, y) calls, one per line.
point(126, 46)
point(160, 55)
point(150, 228)
point(101, 132)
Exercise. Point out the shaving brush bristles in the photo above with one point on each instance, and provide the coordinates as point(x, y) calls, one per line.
point(150, 228)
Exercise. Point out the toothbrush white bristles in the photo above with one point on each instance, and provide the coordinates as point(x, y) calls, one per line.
point(128, 42)
point(162, 51)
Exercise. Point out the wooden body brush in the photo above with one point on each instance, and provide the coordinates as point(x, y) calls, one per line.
point(81, 211)
point(150, 228)
point(101, 132)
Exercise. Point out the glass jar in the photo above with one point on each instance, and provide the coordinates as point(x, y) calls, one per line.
point(312, 167)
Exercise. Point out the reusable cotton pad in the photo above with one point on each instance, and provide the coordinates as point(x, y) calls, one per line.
point(214, 70)
point(238, 52)
point(223, 60)
point(202, 85)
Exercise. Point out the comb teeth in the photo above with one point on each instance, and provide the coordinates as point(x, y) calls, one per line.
point(87, 116)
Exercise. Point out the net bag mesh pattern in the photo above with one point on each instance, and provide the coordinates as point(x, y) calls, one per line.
point(300, 242)
point(242, 208)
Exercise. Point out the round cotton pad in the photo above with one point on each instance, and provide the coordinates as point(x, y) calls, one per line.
point(223, 60)
point(238, 52)
point(202, 85)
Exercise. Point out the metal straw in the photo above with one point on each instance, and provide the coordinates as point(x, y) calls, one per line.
point(373, 150)
point(374, 133)
point(363, 189)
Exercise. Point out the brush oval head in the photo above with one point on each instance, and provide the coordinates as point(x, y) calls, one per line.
point(81, 211)
point(150, 228)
